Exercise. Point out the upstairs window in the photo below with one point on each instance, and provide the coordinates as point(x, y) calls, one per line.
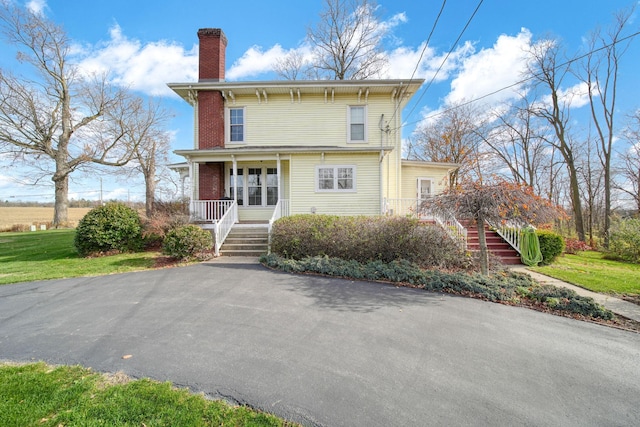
point(236, 124)
point(357, 124)
point(335, 178)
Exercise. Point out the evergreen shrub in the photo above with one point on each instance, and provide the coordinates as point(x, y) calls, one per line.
point(551, 245)
point(187, 242)
point(112, 227)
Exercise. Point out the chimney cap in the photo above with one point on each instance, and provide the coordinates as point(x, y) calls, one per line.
point(213, 32)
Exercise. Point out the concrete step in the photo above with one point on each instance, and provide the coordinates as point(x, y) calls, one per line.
point(242, 253)
point(244, 246)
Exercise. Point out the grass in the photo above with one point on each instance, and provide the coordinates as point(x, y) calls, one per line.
point(43, 395)
point(591, 271)
point(43, 255)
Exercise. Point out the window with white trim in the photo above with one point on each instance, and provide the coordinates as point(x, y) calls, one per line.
point(335, 178)
point(357, 123)
point(235, 127)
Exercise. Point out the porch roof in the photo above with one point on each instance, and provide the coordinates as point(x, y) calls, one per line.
point(220, 154)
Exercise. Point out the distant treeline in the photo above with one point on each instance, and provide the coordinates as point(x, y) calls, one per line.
point(81, 203)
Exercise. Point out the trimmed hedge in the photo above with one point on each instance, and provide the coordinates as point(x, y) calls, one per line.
point(505, 286)
point(187, 241)
point(112, 227)
point(363, 239)
point(551, 245)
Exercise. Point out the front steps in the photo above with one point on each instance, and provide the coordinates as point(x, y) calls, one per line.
point(250, 240)
point(495, 244)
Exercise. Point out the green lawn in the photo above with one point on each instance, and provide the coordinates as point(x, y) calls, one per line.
point(589, 270)
point(50, 254)
point(41, 395)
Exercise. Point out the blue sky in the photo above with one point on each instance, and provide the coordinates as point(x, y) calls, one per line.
point(146, 44)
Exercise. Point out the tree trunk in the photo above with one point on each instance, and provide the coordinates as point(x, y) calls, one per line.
point(60, 211)
point(576, 203)
point(150, 193)
point(484, 251)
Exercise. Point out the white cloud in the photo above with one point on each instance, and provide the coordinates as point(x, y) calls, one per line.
point(492, 69)
point(403, 60)
point(575, 96)
point(37, 7)
point(254, 62)
point(143, 67)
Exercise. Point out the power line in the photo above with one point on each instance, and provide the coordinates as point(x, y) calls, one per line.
point(445, 58)
point(424, 49)
point(518, 83)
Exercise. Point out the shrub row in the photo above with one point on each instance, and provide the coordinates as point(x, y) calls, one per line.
point(117, 227)
point(504, 286)
point(364, 239)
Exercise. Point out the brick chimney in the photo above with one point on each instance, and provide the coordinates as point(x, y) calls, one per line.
point(213, 44)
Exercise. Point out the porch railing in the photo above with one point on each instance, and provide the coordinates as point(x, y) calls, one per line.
point(209, 210)
point(413, 208)
point(511, 232)
point(453, 227)
point(224, 224)
point(221, 213)
point(281, 210)
point(404, 207)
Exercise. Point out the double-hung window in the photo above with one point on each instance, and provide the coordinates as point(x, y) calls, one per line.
point(335, 178)
point(236, 125)
point(357, 122)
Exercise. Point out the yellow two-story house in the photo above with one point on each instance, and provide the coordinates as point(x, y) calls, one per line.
point(321, 146)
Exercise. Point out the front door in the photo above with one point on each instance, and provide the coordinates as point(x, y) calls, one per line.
point(424, 188)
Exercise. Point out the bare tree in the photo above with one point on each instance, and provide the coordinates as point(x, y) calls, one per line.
point(601, 75)
point(548, 72)
point(291, 66)
point(59, 119)
point(630, 167)
point(493, 203)
point(454, 137)
point(347, 41)
point(516, 143)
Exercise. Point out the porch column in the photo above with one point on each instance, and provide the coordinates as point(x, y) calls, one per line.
point(278, 176)
point(235, 178)
point(194, 186)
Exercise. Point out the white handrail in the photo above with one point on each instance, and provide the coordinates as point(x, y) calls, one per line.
point(209, 210)
point(511, 232)
point(453, 227)
point(280, 210)
point(224, 224)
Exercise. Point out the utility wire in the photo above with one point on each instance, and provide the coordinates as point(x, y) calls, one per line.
point(444, 61)
point(518, 83)
point(424, 49)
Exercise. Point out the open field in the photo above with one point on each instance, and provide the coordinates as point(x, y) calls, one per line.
point(27, 216)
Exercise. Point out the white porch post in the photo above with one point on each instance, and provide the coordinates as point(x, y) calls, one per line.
point(278, 176)
point(235, 178)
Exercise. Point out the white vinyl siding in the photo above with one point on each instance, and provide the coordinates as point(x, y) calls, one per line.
point(364, 200)
point(412, 174)
point(312, 122)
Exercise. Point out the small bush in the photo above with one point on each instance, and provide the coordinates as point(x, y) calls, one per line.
point(551, 245)
point(186, 242)
point(624, 240)
point(573, 246)
point(364, 239)
point(112, 227)
point(166, 216)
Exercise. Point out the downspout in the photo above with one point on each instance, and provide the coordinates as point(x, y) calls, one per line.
point(380, 166)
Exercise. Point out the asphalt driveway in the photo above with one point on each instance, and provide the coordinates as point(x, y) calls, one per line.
point(330, 352)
